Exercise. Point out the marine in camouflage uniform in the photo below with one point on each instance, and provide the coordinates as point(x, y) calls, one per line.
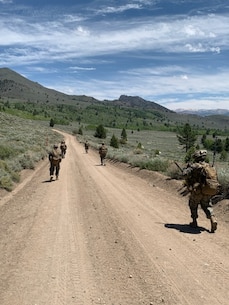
point(194, 181)
point(102, 153)
point(86, 146)
point(55, 159)
point(63, 148)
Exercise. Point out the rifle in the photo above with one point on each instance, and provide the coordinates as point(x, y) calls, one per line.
point(178, 166)
point(184, 190)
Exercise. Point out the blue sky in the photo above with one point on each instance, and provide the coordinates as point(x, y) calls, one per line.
point(172, 52)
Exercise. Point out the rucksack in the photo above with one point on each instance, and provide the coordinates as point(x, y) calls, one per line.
point(55, 156)
point(103, 151)
point(211, 184)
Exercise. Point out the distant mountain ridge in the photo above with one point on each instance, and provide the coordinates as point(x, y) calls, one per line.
point(204, 112)
point(15, 86)
point(136, 101)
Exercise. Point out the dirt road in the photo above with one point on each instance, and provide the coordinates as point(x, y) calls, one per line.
point(106, 235)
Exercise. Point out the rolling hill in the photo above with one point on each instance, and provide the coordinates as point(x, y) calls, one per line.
point(21, 96)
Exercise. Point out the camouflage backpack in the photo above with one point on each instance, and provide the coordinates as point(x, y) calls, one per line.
point(103, 151)
point(211, 184)
point(55, 156)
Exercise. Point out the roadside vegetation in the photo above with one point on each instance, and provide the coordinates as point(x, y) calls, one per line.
point(160, 150)
point(22, 144)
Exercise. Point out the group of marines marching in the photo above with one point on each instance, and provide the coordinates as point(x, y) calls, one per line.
point(193, 175)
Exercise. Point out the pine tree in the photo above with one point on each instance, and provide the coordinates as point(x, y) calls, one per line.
point(80, 131)
point(100, 132)
point(51, 124)
point(123, 136)
point(187, 137)
point(114, 142)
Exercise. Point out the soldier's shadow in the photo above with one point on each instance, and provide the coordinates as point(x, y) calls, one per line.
point(47, 181)
point(185, 228)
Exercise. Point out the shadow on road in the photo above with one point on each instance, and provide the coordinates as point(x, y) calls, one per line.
point(185, 228)
point(48, 181)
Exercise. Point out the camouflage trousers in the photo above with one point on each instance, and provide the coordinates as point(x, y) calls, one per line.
point(102, 158)
point(204, 201)
point(54, 167)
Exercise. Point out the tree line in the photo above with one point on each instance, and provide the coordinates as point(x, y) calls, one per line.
point(187, 137)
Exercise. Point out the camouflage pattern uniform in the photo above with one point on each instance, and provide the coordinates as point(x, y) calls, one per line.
point(55, 159)
point(63, 148)
point(195, 181)
point(102, 153)
point(86, 146)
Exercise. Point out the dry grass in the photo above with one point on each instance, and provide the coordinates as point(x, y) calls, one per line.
point(159, 150)
point(22, 144)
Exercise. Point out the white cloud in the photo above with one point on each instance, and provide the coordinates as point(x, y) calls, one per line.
point(82, 31)
point(118, 9)
point(73, 18)
point(82, 68)
point(6, 1)
point(184, 77)
point(111, 38)
point(200, 48)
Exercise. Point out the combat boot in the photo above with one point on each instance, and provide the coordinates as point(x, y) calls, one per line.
point(213, 224)
point(193, 224)
point(51, 178)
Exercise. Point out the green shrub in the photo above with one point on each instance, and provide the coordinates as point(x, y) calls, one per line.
point(100, 132)
point(6, 182)
point(140, 146)
point(157, 152)
point(27, 162)
point(156, 164)
point(3, 165)
point(138, 151)
point(80, 131)
point(6, 152)
point(223, 177)
point(223, 156)
point(114, 142)
point(122, 141)
point(15, 176)
point(174, 172)
point(189, 154)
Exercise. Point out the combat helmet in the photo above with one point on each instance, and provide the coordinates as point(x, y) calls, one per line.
point(200, 155)
point(55, 146)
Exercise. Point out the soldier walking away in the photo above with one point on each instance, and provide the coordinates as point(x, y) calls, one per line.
point(55, 159)
point(202, 183)
point(103, 152)
point(63, 148)
point(86, 146)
